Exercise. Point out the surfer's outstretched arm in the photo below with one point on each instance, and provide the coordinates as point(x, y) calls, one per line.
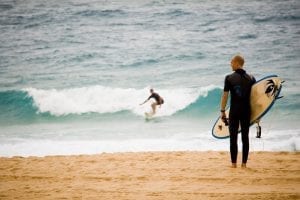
point(145, 101)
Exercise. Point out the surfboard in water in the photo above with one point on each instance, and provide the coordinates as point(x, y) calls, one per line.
point(263, 95)
point(149, 115)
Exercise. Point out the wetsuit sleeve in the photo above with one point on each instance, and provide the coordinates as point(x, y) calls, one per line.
point(150, 96)
point(226, 85)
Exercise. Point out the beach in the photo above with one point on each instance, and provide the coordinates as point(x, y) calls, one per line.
point(151, 175)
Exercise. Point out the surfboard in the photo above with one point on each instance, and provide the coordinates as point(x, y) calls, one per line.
point(263, 95)
point(149, 115)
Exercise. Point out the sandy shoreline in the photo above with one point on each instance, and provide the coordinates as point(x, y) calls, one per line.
point(151, 175)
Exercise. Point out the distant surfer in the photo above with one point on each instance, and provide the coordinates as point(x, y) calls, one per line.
point(158, 101)
point(239, 85)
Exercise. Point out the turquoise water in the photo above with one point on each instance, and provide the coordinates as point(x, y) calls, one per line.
point(73, 73)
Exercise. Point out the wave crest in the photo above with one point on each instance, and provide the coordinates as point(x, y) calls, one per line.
point(100, 99)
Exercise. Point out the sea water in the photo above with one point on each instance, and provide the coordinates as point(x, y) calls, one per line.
point(73, 73)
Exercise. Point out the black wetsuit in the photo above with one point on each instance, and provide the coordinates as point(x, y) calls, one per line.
point(239, 84)
point(157, 98)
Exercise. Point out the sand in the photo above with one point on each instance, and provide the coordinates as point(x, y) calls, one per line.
point(151, 175)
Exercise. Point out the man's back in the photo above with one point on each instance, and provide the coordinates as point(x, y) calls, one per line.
point(239, 84)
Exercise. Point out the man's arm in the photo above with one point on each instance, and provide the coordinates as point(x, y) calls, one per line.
point(146, 100)
point(224, 103)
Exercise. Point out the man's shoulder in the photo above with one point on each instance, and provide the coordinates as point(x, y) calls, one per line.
point(237, 75)
point(231, 75)
point(251, 77)
point(154, 94)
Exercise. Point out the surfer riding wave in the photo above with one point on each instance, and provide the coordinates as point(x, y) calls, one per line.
point(158, 100)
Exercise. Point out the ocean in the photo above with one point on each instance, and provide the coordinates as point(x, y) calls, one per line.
point(73, 73)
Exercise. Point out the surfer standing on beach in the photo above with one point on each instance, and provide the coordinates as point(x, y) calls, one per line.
point(239, 85)
point(158, 100)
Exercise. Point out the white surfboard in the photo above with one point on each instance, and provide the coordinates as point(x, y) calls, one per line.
point(149, 115)
point(263, 95)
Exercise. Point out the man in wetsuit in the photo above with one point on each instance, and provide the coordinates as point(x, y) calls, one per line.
point(158, 100)
point(239, 85)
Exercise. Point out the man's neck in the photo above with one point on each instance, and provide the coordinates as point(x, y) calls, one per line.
point(240, 70)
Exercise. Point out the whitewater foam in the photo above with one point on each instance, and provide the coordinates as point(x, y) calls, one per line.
point(30, 147)
point(102, 99)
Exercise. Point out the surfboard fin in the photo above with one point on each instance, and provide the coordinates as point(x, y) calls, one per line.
point(258, 131)
point(279, 97)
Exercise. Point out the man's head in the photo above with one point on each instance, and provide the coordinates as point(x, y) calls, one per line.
point(151, 90)
point(237, 62)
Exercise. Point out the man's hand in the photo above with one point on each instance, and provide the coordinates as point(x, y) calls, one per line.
point(144, 102)
point(224, 118)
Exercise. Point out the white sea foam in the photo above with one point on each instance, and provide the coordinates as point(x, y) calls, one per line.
point(102, 99)
point(31, 147)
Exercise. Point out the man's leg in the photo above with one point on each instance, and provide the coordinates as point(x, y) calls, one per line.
point(154, 107)
point(233, 130)
point(245, 140)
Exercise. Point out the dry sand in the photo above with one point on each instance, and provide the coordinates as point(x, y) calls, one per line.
point(151, 175)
